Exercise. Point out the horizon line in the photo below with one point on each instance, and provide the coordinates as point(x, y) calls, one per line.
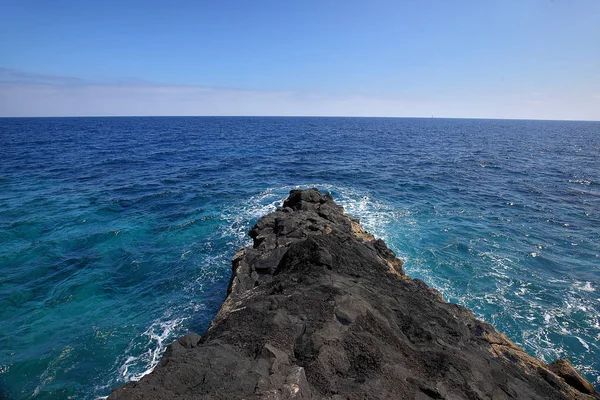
point(293, 116)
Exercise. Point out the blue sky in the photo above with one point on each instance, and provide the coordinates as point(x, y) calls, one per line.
point(482, 59)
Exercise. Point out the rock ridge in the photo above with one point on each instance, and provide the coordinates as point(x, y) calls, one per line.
point(318, 308)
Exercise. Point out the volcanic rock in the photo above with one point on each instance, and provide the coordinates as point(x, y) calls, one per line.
point(318, 308)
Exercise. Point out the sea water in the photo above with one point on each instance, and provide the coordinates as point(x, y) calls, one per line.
point(116, 234)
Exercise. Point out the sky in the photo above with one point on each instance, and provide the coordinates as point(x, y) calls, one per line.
point(531, 59)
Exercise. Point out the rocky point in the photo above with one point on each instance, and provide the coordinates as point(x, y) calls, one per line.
point(317, 308)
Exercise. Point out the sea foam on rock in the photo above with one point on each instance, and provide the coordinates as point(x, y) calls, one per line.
point(318, 308)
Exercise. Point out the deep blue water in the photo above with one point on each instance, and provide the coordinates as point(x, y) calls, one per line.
point(116, 233)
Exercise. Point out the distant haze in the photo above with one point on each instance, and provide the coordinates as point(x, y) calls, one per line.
point(506, 59)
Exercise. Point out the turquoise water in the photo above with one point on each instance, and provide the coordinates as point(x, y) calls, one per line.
point(116, 234)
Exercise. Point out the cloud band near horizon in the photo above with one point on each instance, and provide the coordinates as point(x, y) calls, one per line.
point(25, 94)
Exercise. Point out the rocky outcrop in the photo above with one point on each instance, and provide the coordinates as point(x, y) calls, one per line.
point(320, 309)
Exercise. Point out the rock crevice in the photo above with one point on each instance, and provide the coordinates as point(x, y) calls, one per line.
point(317, 308)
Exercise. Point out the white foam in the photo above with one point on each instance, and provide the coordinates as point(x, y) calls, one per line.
point(374, 216)
point(587, 287)
point(585, 182)
point(158, 336)
point(184, 254)
point(583, 342)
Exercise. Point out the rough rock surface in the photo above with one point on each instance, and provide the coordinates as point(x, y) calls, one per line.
point(320, 309)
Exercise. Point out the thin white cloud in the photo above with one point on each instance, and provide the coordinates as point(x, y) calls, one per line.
point(23, 95)
point(27, 78)
point(18, 99)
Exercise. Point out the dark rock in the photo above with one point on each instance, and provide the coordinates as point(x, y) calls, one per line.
point(190, 340)
point(318, 308)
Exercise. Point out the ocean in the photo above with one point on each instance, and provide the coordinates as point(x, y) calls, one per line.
point(116, 234)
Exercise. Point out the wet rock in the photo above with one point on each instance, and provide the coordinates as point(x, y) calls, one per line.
point(318, 308)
